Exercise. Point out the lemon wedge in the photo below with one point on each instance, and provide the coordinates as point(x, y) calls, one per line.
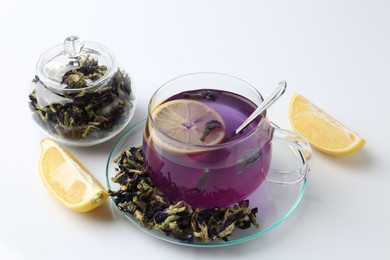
point(322, 130)
point(185, 120)
point(68, 180)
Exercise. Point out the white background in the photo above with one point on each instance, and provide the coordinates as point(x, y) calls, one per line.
point(336, 53)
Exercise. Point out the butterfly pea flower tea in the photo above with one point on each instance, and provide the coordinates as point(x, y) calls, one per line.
point(187, 153)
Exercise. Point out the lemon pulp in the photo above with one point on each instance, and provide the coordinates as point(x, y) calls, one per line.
point(68, 180)
point(322, 130)
point(185, 120)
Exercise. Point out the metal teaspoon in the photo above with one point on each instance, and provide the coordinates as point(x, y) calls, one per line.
point(275, 95)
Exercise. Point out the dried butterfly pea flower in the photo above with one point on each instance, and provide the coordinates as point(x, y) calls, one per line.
point(210, 126)
point(249, 158)
point(85, 114)
point(138, 197)
point(203, 94)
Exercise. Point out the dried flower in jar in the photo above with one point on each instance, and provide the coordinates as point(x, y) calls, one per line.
point(84, 113)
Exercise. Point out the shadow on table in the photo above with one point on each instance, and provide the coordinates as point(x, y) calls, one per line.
point(362, 159)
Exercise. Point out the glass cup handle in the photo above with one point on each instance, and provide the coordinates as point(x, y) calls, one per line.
point(302, 150)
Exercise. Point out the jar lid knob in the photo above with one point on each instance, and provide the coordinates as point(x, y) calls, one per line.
point(73, 45)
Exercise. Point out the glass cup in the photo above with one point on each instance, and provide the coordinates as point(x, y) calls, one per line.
point(225, 173)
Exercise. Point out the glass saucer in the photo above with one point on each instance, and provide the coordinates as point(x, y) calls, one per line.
point(275, 202)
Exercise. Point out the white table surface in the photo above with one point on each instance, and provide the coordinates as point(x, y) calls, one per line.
point(336, 53)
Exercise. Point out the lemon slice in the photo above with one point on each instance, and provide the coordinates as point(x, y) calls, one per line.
point(68, 180)
point(185, 120)
point(322, 131)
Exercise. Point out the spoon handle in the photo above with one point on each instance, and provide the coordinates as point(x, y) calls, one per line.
point(279, 90)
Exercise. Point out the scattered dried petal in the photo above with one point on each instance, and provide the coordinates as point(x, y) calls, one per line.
point(139, 198)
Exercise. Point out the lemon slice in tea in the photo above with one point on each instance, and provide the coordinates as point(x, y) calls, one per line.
point(322, 130)
point(186, 120)
point(68, 180)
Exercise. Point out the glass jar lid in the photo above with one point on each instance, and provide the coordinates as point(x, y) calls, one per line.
point(71, 55)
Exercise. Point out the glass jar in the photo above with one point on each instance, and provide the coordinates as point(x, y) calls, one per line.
point(79, 95)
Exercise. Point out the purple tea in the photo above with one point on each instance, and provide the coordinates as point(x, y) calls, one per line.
point(212, 172)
